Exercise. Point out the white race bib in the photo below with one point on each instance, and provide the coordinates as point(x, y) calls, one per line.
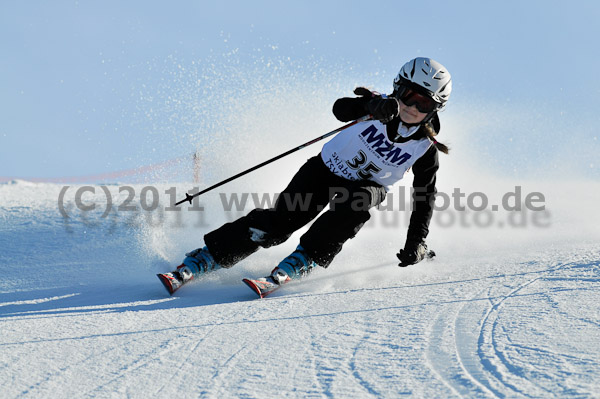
point(363, 151)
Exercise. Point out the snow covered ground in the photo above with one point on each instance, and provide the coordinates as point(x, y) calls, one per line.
point(510, 307)
point(503, 311)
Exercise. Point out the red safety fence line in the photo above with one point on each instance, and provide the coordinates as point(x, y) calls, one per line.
point(114, 176)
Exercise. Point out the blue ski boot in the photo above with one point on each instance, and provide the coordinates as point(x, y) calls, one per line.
point(297, 265)
point(197, 263)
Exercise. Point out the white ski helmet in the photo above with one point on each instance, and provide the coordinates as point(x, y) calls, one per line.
point(430, 75)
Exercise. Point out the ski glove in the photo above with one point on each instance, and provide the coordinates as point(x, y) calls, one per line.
point(364, 92)
point(384, 109)
point(413, 252)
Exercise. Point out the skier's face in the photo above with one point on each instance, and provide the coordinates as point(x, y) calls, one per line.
point(410, 114)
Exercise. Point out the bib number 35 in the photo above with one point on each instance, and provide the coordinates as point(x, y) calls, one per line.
point(364, 171)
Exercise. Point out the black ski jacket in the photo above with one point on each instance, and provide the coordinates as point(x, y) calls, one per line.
point(424, 170)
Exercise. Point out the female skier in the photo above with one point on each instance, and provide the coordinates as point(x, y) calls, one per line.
point(352, 174)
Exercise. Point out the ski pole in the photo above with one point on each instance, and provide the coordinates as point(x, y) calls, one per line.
point(189, 197)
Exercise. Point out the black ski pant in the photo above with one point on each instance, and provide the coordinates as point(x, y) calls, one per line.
point(312, 188)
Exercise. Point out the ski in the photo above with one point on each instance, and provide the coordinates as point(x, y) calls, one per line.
point(172, 281)
point(262, 286)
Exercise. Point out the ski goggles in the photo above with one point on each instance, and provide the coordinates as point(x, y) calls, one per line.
point(425, 104)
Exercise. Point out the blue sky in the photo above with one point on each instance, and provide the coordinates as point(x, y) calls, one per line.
point(92, 87)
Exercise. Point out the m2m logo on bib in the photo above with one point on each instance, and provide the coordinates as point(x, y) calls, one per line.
point(382, 147)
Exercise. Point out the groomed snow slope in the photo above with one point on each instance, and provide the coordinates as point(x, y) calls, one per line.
point(501, 312)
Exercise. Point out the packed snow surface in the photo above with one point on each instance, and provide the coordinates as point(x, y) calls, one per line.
point(502, 311)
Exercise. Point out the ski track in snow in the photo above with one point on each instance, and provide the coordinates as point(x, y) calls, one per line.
point(334, 349)
point(484, 367)
point(497, 325)
point(332, 360)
